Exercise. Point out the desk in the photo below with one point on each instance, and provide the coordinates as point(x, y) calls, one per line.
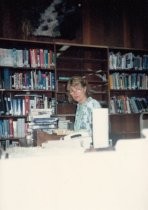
point(111, 180)
point(40, 137)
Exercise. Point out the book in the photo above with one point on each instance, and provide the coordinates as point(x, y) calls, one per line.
point(52, 80)
point(6, 78)
point(26, 58)
point(19, 58)
point(8, 105)
point(46, 61)
point(33, 58)
point(42, 58)
point(27, 104)
point(145, 62)
point(11, 129)
point(2, 104)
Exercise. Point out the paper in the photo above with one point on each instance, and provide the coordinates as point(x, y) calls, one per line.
point(100, 128)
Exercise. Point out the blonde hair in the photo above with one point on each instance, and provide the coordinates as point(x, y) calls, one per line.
point(76, 81)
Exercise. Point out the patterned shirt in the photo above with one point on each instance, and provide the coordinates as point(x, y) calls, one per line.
point(83, 118)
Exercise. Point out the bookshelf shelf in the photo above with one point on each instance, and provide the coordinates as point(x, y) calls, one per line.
point(75, 70)
point(67, 115)
point(124, 114)
point(129, 71)
point(129, 90)
point(28, 91)
point(12, 116)
point(15, 68)
point(10, 138)
point(83, 60)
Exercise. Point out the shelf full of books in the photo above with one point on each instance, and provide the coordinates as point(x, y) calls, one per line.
point(128, 80)
point(34, 75)
point(27, 82)
point(128, 59)
point(123, 104)
point(128, 87)
point(26, 79)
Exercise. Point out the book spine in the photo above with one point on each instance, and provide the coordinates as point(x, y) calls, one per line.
point(27, 105)
point(11, 133)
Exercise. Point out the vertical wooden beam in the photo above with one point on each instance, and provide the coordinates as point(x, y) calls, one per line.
point(86, 25)
point(6, 27)
point(126, 31)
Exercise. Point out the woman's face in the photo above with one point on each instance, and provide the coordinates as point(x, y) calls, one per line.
point(78, 93)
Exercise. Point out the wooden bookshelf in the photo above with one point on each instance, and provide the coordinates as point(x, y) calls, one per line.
point(128, 77)
point(66, 60)
point(27, 78)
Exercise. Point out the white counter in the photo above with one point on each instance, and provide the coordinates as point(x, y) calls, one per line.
point(64, 180)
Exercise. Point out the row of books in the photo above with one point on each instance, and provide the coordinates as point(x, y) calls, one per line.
point(34, 80)
point(24, 104)
point(125, 104)
point(10, 128)
point(40, 119)
point(128, 61)
point(7, 143)
point(34, 58)
point(128, 81)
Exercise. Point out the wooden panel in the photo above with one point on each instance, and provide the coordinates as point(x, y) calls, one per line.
point(104, 22)
point(125, 126)
point(40, 137)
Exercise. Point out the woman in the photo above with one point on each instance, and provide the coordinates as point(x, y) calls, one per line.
point(77, 90)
